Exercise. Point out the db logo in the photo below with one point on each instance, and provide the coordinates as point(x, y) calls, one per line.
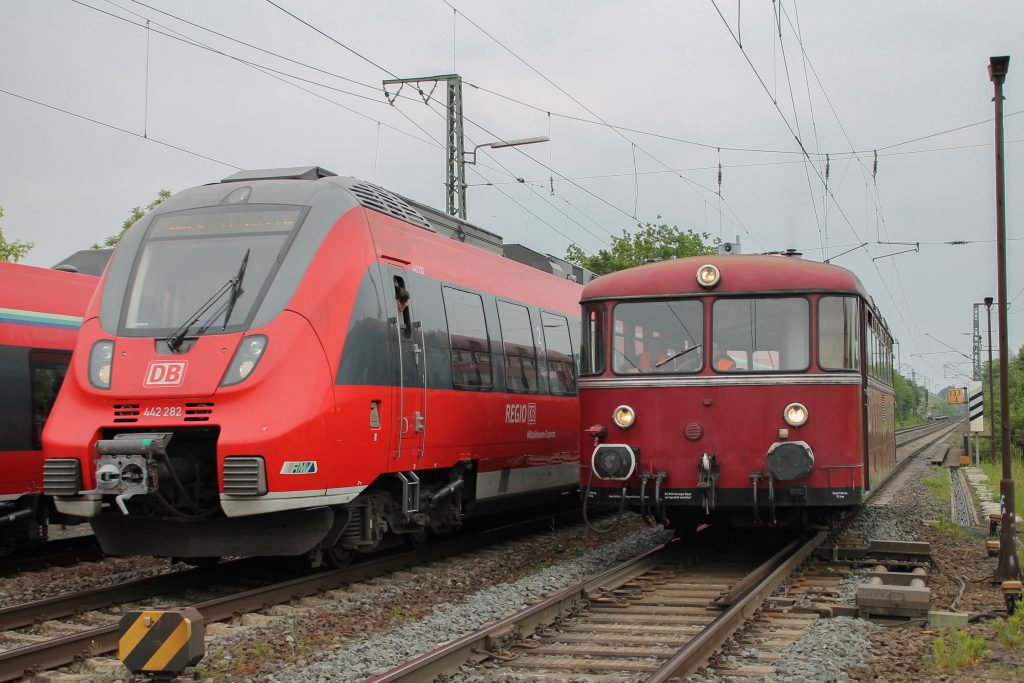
point(165, 373)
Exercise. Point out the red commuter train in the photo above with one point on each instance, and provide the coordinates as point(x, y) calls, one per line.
point(289, 362)
point(40, 312)
point(747, 388)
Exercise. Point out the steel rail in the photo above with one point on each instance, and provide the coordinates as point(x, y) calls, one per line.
point(427, 667)
point(25, 661)
point(699, 650)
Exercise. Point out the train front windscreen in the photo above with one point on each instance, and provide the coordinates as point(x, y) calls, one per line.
point(211, 264)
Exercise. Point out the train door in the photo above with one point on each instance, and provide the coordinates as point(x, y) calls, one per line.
point(409, 358)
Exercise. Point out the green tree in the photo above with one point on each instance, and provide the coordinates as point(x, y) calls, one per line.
point(910, 408)
point(133, 217)
point(1015, 375)
point(649, 243)
point(12, 251)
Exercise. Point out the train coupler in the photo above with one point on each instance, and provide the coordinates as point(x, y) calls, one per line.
point(126, 465)
point(707, 480)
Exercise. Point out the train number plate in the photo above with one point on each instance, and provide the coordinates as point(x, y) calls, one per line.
point(162, 411)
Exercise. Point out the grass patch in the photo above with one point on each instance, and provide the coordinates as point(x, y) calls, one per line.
point(994, 471)
point(938, 483)
point(959, 651)
point(1011, 630)
point(948, 527)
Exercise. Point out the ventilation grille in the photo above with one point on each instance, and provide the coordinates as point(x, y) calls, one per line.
point(62, 477)
point(244, 476)
point(381, 200)
point(198, 412)
point(126, 412)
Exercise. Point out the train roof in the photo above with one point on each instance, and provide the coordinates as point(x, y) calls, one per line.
point(374, 197)
point(739, 274)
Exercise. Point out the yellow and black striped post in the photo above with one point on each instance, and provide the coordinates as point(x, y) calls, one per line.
point(161, 642)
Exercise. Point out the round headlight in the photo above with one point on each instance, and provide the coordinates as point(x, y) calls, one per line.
point(256, 346)
point(708, 276)
point(624, 417)
point(795, 414)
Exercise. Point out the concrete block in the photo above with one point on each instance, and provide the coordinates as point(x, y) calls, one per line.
point(106, 666)
point(219, 629)
point(899, 547)
point(257, 620)
point(61, 677)
point(939, 619)
point(893, 597)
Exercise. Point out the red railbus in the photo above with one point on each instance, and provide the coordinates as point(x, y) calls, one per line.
point(753, 388)
point(40, 312)
point(289, 362)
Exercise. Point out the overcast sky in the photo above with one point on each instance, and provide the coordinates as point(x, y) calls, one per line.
point(642, 102)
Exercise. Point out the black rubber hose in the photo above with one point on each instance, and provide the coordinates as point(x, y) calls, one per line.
point(586, 502)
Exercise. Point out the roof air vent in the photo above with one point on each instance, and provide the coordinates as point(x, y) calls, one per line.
point(793, 252)
point(294, 173)
point(379, 199)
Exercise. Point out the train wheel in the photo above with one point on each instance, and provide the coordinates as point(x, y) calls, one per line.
point(417, 539)
point(339, 557)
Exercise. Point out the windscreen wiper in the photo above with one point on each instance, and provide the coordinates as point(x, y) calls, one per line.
point(236, 290)
point(676, 355)
point(176, 338)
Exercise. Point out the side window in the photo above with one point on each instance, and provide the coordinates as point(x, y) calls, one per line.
point(561, 367)
point(520, 349)
point(471, 347)
point(47, 370)
point(839, 333)
point(595, 335)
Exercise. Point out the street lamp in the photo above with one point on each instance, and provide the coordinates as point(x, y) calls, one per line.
point(506, 143)
point(1008, 568)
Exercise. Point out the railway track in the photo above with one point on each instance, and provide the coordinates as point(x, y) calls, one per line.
point(58, 552)
point(59, 631)
point(659, 616)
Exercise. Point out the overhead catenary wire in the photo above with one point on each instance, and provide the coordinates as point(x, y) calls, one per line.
point(427, 99)
point(689, 182)
point(280, 75)
point(121, 130)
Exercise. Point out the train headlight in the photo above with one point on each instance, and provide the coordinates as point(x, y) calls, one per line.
point(795, 414)
point(615, 462)
point(246, 358)
point(708, 276)
point(101, 360)
point(624, 417)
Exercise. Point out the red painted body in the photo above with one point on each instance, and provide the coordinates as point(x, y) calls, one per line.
point(40, 312)
point(330, 436)
point(736, 414)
